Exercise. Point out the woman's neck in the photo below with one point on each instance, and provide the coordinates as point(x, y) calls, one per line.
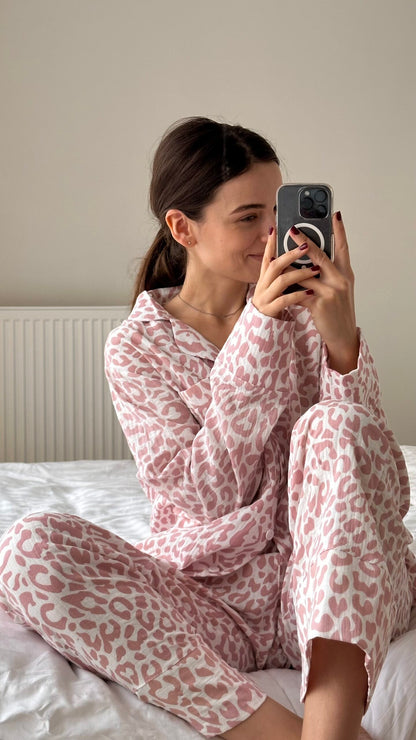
point(218, 297)
point(212, 314)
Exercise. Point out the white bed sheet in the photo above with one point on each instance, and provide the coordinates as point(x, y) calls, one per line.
point(44, 696)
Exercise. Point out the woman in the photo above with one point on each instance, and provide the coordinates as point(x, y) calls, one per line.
point(278, 491)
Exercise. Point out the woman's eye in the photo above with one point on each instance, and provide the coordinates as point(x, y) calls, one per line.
point(251, 217)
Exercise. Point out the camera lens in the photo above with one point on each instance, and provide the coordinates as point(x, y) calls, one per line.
point(321, 210)
point(320, 196)
point(307, 203)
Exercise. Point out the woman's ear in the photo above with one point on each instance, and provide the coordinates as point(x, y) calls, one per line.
point(180, 227)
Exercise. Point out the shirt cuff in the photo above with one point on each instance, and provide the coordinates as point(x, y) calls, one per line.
point(360, 385)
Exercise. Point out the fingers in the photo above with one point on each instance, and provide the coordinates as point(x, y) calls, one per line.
point(316, 254)
point(330, 300)
point(342, 257)
point(269, 252)
point(276, 276)
point(298, 297)
point(276, 267)
point(284, 260)
point(341, 261)
point(303, 276)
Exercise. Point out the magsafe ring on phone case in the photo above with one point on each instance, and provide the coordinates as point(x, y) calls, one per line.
point(304, 227)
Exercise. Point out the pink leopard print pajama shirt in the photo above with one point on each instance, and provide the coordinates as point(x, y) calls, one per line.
point(278, 494)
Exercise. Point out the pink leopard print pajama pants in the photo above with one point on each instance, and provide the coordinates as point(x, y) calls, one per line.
point(107, 606)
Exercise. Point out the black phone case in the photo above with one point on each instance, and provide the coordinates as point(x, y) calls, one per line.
point(316, 228)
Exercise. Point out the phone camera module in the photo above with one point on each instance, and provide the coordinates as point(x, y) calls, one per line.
point(313, 203)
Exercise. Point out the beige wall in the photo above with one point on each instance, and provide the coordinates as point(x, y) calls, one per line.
point(89, 86)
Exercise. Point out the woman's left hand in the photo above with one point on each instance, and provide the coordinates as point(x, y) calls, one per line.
point(332, 305)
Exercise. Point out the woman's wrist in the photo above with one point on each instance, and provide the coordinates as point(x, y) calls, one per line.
point(343, 358)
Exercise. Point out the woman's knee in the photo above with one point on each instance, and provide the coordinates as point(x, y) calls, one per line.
point(341, 461)
point(33, 526)
point(32, 539)
point(329, 419)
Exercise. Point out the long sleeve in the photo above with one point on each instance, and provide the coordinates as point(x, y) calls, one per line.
point(201, 444)
point(358, 386)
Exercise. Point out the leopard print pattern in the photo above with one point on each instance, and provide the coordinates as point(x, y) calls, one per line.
point(278, 493)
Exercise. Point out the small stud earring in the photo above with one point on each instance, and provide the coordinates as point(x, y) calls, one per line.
point(189, 242)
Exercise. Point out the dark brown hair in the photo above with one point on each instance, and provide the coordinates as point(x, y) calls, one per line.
point(194, 157)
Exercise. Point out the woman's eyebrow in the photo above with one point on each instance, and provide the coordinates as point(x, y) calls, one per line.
point(247, 207)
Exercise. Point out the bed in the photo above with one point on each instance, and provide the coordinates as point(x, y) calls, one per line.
point(44, 696)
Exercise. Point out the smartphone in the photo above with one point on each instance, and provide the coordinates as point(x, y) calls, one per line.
point(308, 206)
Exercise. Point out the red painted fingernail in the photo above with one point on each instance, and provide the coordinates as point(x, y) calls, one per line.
point(310, 292)
point(294, 230)
point(315, 268)
point(303, 246)
point(338, 215)
point(271, 230)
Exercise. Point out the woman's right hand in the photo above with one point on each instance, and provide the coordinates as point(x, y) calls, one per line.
point(276, 276)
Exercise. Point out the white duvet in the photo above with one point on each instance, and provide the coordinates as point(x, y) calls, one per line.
point(44, 696)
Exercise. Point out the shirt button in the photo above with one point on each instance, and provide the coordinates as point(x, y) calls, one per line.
point(269, 534)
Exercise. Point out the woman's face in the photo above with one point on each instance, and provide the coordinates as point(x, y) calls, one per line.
point(231, 237)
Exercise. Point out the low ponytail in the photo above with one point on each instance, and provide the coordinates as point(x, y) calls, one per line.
point(163, 266)
point(194, 158)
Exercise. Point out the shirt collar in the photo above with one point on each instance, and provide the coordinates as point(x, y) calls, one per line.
point(149, 307)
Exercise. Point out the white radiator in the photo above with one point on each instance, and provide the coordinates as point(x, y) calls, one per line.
point(54, 399)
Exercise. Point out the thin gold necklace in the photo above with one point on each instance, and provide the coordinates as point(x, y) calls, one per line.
point(208, 313)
